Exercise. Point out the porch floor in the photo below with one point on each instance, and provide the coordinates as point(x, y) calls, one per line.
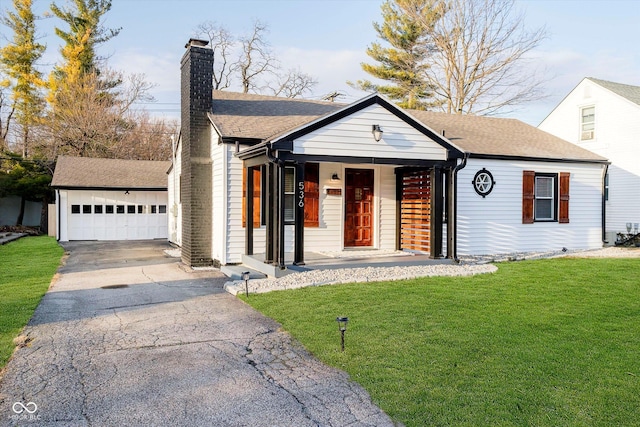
point(360, 258)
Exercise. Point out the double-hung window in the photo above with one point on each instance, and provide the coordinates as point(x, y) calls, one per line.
point(545, 197)
point(587, 123)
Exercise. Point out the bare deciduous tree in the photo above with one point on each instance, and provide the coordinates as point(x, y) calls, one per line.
point(221, 42)
point(7, 109)
point(89, 121)
point(256, 58)
point(150, 139)
point(256, 68)
point(480, 62)
point(292, 84)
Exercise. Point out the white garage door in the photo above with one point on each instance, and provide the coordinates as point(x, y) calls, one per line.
point(116, 215)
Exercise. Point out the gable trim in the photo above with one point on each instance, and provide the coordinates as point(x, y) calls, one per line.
point(285, 142)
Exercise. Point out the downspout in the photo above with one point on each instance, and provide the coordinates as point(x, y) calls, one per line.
point(604, 204)
point(454, 238)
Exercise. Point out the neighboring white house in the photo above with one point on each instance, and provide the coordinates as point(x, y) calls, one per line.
point(110, 199)
point(604, 117)
point(323, 176)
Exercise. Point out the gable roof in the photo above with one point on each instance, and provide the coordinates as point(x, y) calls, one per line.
point(632, 93)
point(239, 116)
point(96, 173)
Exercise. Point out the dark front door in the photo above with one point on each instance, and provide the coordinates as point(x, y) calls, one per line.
point(358, 221)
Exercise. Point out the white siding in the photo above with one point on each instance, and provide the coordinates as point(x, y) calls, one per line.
point(351, 136)
point(174, 205)
point(493, 225)
point(617, 137)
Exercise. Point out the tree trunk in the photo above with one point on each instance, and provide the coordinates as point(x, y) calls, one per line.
point(21, 214)
point(44, 216)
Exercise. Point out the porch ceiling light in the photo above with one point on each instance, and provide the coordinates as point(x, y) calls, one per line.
point(377, 132)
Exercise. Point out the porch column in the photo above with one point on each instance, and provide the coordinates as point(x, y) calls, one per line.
point(248, 232)
point(298, 250)
point(436, 212)
point(270, 213)
point(280, 218)
point(399, 174)
point(451, 214)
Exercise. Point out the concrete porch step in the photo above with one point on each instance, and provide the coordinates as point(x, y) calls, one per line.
point(234, 272)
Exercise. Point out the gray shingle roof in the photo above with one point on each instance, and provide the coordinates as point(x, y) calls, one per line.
point(86, 172)
point(632, 93)
point(492, 136)
point(238, 115)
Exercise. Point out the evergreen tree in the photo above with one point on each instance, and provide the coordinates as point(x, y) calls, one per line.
point(404, 61)
point(18, 60)
point(84, 34)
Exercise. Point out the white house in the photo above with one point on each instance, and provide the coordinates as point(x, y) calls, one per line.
point(604, 117)
point(110, 199)
point(323, 176)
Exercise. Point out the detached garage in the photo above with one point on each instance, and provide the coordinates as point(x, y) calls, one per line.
point(110, 199)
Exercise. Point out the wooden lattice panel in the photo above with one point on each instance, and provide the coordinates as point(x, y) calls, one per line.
point(415, 210)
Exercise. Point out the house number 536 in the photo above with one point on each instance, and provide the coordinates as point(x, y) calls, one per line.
point(301, 194)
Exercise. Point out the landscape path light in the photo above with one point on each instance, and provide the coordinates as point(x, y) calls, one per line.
point(245, 277)
point(342, 326)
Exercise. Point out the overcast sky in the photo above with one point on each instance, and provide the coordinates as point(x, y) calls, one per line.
point(328, 38)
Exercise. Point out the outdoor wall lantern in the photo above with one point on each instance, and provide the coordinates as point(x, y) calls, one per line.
point(629, 227)
point(342, 326)
point(335, 177)
point(245, 277)
point(377, 132)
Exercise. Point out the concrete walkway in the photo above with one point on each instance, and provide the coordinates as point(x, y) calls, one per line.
point(127, 337)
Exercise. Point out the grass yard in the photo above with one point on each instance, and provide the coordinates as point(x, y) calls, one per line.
point(27, 266)
point(547, 343)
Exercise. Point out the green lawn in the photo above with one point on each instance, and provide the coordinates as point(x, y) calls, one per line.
point(27, 266)
point(539, 343)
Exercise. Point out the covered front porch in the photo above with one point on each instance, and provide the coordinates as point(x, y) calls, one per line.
point(367, 177)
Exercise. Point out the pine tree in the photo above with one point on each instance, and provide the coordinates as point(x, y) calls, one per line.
point(404, 61)
point(18, 60)
point(84, 34)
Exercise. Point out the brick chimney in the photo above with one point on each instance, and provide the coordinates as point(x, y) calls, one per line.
point(196, 92)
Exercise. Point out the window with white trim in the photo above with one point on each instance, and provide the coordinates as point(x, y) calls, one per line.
point(545, 196)
point(587, 123)
point(289, 194)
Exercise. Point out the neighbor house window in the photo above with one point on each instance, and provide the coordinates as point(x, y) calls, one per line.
point(289, 194)
point(545, 197)
point(587, 123)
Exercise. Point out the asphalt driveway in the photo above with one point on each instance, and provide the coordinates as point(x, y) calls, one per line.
point(126, 336)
